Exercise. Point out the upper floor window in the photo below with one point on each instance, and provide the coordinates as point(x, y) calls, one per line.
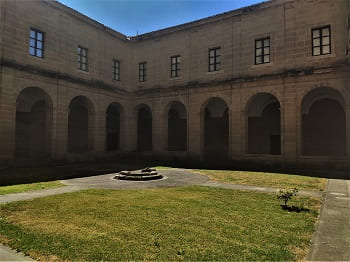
point(214, 59)
point(36, 43)
point(116, 70)
point(82, 58)
point(321, 41)
point(262, 51)
point(142, 72)
point(175, 66)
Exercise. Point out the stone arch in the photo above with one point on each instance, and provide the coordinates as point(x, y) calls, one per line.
point(113, 126)
point(215, 133)
point(33, 132)
point(177, 126)
point(263, 124)
point(323, 123)
point(144, 128)
point(81, 124)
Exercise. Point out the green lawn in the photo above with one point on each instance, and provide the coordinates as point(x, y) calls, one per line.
point(28, 187)
point(188, 223)
point(265, 179)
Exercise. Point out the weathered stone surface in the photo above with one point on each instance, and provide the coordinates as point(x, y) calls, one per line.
point(292, 74)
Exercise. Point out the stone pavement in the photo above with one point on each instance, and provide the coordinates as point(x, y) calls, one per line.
point(173, 178)
point(7, 254)
point(330, 242)
point(36, 194)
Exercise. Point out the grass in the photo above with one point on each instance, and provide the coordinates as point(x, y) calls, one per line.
point(266, 179)
point(188, 223)
point(28, 187)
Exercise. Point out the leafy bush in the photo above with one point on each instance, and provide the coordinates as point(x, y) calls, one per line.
point(286, 195)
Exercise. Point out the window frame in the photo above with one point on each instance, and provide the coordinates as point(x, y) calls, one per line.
point(35, 48)
point(80, 56)
point(216, 64)
point(175, 72)
point(116, 69)
point(262, 48)
point(320, 37)
point(142, 71)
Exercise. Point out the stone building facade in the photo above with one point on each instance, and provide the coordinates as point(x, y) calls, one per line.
point(267, 84)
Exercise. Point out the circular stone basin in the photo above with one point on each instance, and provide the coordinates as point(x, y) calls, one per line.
point(139, 175)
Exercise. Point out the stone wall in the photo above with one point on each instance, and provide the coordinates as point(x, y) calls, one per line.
point(290, 76)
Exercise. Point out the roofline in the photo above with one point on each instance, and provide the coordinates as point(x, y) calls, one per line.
point(86, 19)
point(210, 19)
point(168, 30)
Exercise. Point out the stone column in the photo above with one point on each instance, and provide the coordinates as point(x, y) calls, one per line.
point(100, 129)
point(290, 126)
point(237, 125)
point(129, 139)
point(157, 125)
point(195, 131)
point(61, 129)
point(7, 117)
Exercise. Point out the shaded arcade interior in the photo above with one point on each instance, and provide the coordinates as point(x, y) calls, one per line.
point(264, 125)
point(177, 127)
point(33, 124)
point(113, 115)
point(80, 125)
point(144, 128)
point(322, 129)
point(216, 130)
point(323, 123)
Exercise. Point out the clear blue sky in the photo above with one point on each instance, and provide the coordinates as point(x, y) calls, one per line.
point(143, 16)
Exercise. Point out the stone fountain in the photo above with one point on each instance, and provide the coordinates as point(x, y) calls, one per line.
point(139, 175)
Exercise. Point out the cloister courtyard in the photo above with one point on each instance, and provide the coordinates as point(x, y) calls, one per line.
point(190, 214)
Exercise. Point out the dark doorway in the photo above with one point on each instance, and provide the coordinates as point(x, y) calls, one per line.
point(79, 125)
point(33, 125)
point(324, 129)
point(177, 128)
point(144, 129)
point(216, 130)
point(264, 125)
point(112, 128)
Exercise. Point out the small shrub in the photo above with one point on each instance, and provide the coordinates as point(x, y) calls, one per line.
point(181, 252)
point(286, 195)
point(157, 243)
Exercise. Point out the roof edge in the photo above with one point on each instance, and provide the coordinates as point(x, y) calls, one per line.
point(210, 19)
point(86, 19)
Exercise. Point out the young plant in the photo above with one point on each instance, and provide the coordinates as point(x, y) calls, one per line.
point(286, 195)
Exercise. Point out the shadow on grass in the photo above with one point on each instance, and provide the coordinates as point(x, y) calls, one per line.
point(295, 209)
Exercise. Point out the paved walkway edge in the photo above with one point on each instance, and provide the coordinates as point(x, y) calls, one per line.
point(331, 240)
point(38, 193)
point(7, 254)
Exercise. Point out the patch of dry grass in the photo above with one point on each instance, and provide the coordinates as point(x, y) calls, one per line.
point(265, 179)
point(190, 223)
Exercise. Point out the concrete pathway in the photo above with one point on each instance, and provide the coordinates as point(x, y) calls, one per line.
point(36, 194)
point(7, 254)
point(172, 178)
point(331, 241)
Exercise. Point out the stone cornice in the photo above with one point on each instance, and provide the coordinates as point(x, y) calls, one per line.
point(339, 66)
point(61, 76)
